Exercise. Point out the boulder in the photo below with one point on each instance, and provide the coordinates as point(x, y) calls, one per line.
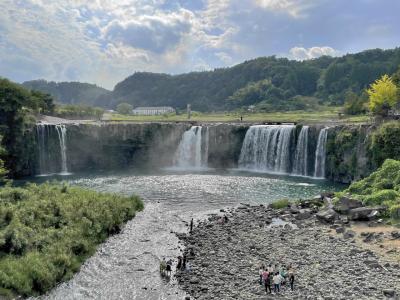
point(327, 215)
point(340, 230)
point(304, 214)
point(345, 204)
point(389, 293)
point(365, 213)
point(349, 234)
point(395, 234)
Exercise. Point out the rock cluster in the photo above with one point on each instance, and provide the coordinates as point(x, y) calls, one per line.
point(226, 256)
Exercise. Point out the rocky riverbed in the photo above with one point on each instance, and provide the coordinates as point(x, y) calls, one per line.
point(329, 263)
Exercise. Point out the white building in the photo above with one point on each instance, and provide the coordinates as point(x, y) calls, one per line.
point(151, 111)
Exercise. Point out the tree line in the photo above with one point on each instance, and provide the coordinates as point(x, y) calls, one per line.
point(268, 83)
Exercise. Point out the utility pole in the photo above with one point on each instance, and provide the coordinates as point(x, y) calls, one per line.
point(189, 111)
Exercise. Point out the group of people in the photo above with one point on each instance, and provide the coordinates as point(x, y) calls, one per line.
point(277, 277)
point(166, 267)
point(182, 265)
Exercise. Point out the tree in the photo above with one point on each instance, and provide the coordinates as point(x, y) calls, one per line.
point(17, 105)
point(382, 95)
point(3, 171)
point(124, 108)
point(355, 104)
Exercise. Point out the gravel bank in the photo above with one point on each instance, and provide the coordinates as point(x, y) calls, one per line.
point(327, 266)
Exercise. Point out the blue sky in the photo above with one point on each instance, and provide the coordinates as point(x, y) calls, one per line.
point(104, 41)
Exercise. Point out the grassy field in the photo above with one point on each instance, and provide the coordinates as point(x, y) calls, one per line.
point(330, 114)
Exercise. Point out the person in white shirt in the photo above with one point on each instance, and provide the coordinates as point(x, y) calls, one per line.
point(277, 279)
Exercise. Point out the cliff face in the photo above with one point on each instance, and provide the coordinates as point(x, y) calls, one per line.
point(121, 146)
point(347, 156)
point(152, 145)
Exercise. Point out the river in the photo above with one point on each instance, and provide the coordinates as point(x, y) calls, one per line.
point(126, 265)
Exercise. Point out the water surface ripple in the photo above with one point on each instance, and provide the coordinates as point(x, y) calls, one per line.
point(126, 265)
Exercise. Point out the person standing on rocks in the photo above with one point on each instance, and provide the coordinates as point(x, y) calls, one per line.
point(184, 262)
point(267, 282)
point(191, 225)
point(270, 269)
point(277, 282)
point(291, 277)
point(179, 264)
point(169, 268)
point(260, 273)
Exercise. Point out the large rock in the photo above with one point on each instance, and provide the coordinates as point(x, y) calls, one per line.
point(365, 213)
point(327, 215)
point(345, 204)
point(389, 293)
point(304, 214)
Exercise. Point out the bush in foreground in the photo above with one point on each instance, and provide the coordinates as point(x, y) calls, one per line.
point(47, 231)
point(380, 188)
point(279, 204)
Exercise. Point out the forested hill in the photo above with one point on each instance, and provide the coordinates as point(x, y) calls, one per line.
point(68, 92)
point(270, 83)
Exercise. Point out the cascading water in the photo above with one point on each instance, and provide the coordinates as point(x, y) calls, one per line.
point(320, 154)
point(62, 132)
point(267, 148)
point(300, 165)
point(47, 148)
point(190, 152)
point(42, 133)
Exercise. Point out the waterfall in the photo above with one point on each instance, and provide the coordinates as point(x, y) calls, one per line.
point(42, 134)
point(206, 146)
point(300, 166)
point(320, 154)
point(61, 132)
point(52, 147)
point(189, 154)
point(267, 148)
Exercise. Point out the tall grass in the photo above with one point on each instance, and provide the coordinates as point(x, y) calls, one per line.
point(47, 231)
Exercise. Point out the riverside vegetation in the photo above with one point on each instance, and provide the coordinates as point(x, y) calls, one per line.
point(47, 231)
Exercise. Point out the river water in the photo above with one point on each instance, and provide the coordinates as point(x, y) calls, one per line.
point(126, 265)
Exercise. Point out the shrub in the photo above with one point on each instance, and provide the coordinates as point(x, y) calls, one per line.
point(380, 188)
point(47, 231)
point(385, 143)
point(381, 197)
point(279, 204)
point(395, 211)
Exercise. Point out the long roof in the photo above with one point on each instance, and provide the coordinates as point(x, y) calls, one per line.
point(153, 107)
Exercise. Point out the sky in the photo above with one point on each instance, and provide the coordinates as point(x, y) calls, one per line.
point(104, 41)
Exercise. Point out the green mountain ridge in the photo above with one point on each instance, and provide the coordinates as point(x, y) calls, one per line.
point(270, 83)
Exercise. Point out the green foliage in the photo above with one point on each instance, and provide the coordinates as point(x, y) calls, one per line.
point(47, 231)
point(3, 171)
point(16, 106)
point(382, 95)
point(79, 111)
point(385, 143)
point(325, 78)
point(124, 108)
point(380, 188)
point(354, 104)
point(394, 211)
point(68, 92)
point(341, 153)
point(279, 204)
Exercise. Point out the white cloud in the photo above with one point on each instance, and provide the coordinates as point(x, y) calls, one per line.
point(295, 8)
point(155, 33)
point(301, 53)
